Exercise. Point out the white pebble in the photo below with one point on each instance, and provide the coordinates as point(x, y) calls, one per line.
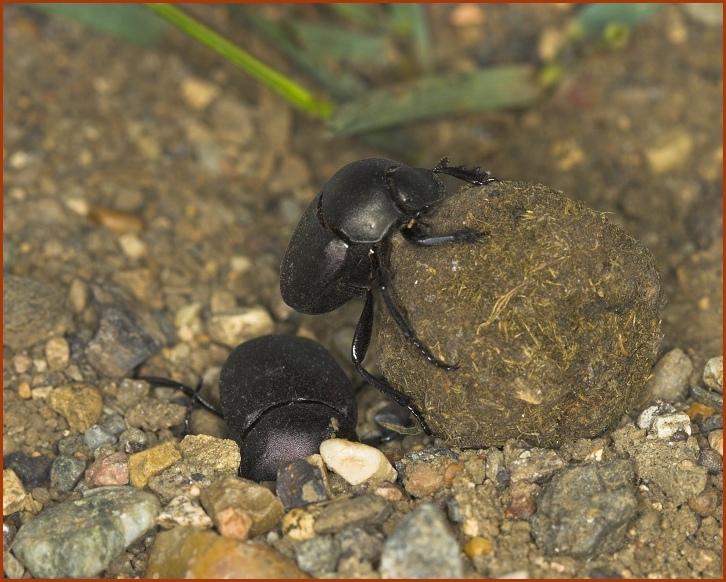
point(713, 374)
point(356, 462)
point(645, 420)
point(664, 427)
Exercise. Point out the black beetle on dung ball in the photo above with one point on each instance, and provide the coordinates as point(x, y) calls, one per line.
point(281, 396)
point(341, 246)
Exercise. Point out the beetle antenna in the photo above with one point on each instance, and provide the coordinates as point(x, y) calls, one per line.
point(475, 175)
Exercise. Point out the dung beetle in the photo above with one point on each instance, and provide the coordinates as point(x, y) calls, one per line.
point(342, 244)
point(281, 396)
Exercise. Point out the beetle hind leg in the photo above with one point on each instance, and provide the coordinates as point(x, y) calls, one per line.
point(384, 283)
point(361, 341)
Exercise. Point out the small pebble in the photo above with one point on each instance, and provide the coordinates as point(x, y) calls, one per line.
point(97, 435)
point(697, 409)
point(478, 546)
point(715, 441)
point(366, 510)
point(241, 508)
point(131, 392)
point(646, 418)
point(318, 556)
point(664, 427)
point(710, 460)
point(57, 353)
point(239, 325)
point(79, 538)
point(523, 500)
point(111, 469)
point(670, 152)
point(670, 377)
point(65, 472)
point(198, 93)
point(356, 462)
point(24, 390)
point(705, 503)
point(299, 524)
point(133, 440)
point(183, 512)
point(80, 404)
point(535, 465)
point(713, 374)
point(152, 414)
point(422, 547)
point(153, 461)
point(14, 493)
point(117, 222)
point(190, 553)
point(300, 483)
point(215, 456)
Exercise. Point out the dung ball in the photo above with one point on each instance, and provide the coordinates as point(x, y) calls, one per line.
point(553, 319)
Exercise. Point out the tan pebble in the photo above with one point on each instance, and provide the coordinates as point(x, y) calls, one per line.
point(239, 325)
point(697, 408)
point(241, 508)
point(146, 464)
point(715, 441)
point(713, 374)
point(672, 150)
point(191, 553)
point(705, 503)
point(14, 494)
point(216, 455)
point(478, 546)
point(183, 512)
point(22, 363)
point(132, 246)
point(198, 93)
point(80, 404)
point(57, 353)
point(452, 470)
point(24, 390)
point(299, 524)
point(422, 480)
point(116, 221)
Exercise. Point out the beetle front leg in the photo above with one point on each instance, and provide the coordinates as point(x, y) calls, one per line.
point(474, 175)
point(361, 341)
point(191, 393)
point(417, 234)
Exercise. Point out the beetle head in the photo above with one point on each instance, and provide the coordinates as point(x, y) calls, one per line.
point(414, 190)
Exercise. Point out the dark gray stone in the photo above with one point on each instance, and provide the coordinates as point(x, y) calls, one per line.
point(127, 333)
point(65, 472)
point(584, 511)
point(318, 556)
point(300, 483)
point(32, 471)
point(422, 547)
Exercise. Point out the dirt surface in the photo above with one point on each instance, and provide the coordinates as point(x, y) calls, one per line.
point(170, 175)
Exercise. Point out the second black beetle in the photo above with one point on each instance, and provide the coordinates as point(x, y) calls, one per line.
point(341, 246)
point(281, 396)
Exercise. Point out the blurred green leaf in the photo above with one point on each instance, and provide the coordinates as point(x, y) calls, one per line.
point(341, 86)
point(291, 91)
point(401, 429)
point(594, 18)
point(358, 13)
point(488, 89)
point(128, 22)
point(328, 41)
point(410, 20)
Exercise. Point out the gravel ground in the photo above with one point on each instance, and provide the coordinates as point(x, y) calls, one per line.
point(148, 200)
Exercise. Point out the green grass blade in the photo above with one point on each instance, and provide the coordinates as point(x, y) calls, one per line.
point(128, 22)
point(594, 18)
point(291, 91)
point(436, 96)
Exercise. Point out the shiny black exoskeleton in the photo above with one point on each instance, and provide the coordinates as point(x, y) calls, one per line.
point(281, 396)
point(342, 243)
